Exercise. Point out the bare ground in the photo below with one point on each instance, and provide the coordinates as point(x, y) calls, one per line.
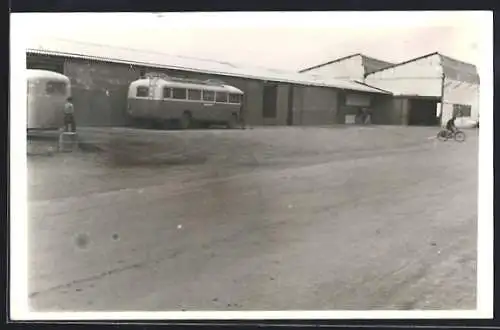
point(274, 219)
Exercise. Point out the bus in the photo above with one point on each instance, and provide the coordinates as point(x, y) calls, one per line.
point(164, 100)
point(47, 92)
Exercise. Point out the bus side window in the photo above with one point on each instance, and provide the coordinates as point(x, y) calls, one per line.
point(142, 91)
point(167, 93)
point(179, 93)
point(194, 94)
point(221, 97)
point(208, 96)
point(235, 98)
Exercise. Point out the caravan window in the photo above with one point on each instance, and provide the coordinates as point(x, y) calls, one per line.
point(55, 88)
point(208, 96)
point(142, 91)
point(221, 97)
point(235, 98)
point(179, 93)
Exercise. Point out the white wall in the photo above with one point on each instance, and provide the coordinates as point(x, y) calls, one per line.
point(422, 77)
point(351, 68)
point(457, 92)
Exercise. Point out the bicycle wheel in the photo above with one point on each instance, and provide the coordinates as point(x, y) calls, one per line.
point(442, 136)
point(459, 136)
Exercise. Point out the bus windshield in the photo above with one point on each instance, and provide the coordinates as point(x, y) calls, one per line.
point(55, 88)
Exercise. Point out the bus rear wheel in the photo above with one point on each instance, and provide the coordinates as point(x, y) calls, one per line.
point(233, 122)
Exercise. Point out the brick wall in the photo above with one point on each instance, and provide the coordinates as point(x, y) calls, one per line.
point(99, 91)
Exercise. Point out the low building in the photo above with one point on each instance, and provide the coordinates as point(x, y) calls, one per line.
point(100, 76)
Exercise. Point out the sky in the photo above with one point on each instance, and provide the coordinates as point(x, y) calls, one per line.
point(287, 41)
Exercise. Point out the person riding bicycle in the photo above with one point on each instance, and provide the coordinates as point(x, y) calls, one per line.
point(450, 125)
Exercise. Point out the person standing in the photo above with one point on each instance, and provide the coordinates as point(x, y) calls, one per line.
point(69, 115)
point(358, 119)
point(368, 116)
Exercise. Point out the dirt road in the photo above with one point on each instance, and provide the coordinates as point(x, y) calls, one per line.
point(264, 219)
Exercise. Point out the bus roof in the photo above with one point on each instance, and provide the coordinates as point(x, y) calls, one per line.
point(185, 84)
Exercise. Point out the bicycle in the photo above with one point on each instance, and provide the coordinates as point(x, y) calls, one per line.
point(445, 135)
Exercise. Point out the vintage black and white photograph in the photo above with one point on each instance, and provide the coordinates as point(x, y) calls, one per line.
point(252, 162)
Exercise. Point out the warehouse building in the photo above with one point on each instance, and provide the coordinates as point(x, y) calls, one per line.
point(426, 90)
point(430, 89)
point(100, 77)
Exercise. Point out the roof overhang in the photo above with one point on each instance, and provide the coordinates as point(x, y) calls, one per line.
point(420, 97)
point(290, 78)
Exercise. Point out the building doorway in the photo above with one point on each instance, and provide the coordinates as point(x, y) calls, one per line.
point(422, 112)
point(269, 102)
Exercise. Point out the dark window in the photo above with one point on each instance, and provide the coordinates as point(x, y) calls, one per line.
point(461, 110)
point(208, 96)
point(179, 93)
point(270, 101)
point(45, 63)
point(142, 91)
point(55, 88)
point(221, 97)
point(194, 94)
point(235, 98)
point(167, 93)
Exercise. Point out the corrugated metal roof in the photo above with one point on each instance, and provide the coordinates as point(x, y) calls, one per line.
point(67, 48)
point(446, 61)
point(367, 61)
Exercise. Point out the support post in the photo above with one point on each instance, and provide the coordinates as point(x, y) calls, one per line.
point(442, 101)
